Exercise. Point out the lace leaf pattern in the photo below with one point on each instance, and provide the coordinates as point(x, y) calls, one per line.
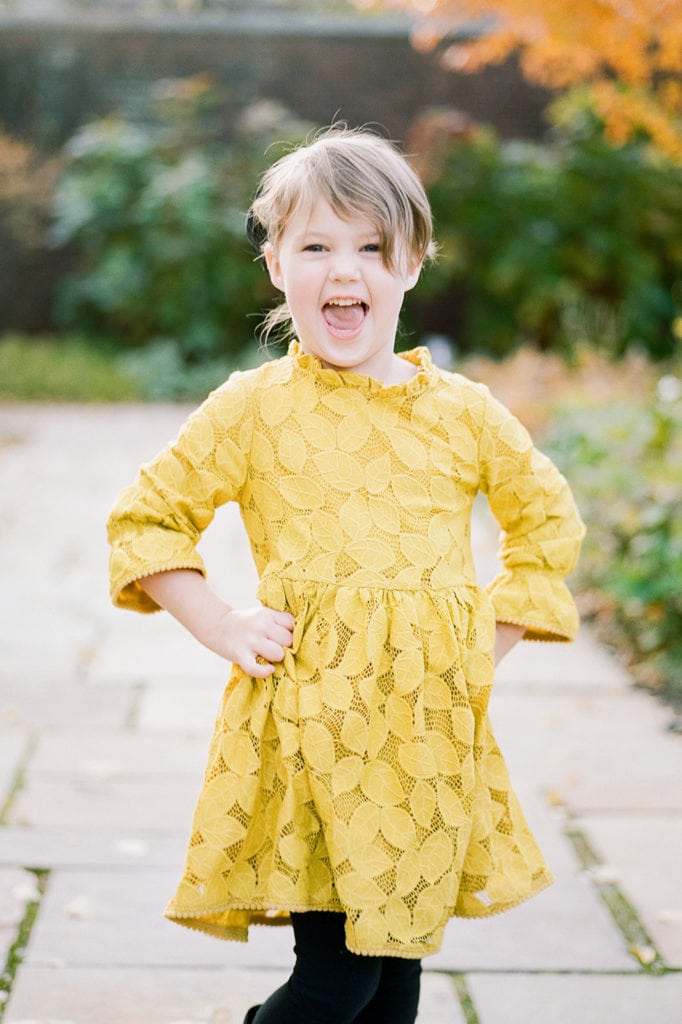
point(363, 776)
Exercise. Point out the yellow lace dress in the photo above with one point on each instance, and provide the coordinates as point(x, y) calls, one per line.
point(363, 776)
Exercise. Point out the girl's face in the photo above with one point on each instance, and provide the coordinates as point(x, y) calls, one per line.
point(344, 301)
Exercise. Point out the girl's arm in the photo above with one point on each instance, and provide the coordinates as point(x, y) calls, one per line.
point(157, 522)
point(242, 637)
point(541, 528)
point(507, 635)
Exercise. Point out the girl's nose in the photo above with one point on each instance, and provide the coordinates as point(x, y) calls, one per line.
point(344, 268)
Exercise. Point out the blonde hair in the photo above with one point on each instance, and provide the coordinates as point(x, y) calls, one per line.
point(360, 174)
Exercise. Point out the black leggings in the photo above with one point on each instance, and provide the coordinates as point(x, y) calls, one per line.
point(330, 985)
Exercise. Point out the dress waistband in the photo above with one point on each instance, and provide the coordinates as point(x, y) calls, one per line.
point(274, 584)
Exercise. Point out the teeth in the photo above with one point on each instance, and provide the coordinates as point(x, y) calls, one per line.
point(344, 302)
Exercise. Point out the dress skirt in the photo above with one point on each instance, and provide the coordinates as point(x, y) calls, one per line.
point(362, 777)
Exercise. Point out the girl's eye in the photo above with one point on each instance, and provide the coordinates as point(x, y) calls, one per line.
point(314, 247)
point(372, 247)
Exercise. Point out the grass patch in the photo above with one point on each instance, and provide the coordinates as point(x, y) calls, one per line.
point(639, 943)
point(18, 947)
point(465, 1000)
point(62, 370)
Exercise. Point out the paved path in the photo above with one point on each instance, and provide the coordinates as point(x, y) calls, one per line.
point(104, 723)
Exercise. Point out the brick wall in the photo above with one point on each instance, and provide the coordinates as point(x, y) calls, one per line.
point(57, 73)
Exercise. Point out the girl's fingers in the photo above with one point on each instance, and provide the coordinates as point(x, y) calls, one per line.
point(259, 669)
point(281, 629)
point(283, 637)
point(271, 650)
point(284, 619)
point(268, 649)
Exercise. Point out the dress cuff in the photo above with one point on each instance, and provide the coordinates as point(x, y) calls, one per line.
point(126, 573)
point(540, 602)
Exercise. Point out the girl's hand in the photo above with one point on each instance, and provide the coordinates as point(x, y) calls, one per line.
point(507, 636)
point(255, 638)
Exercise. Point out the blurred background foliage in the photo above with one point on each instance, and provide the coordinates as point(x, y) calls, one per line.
point(552, 244)
point(615, 430)
point(625, 459)
point(153, 213)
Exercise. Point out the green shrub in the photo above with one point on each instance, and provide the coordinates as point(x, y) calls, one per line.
point(161, 373)
point(573, 241)
point(73, 369)
point(62, 370)
point(624, 462)
point(154, 212)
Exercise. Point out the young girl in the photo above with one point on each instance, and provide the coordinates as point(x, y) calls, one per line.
point(354, 787)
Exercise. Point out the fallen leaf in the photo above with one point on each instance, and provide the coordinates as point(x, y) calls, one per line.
point(132, 847)
point(669, 916)
point(26, 891)
point(79, 908)
point(645, 954)
point(103, 771)
point(604, 874)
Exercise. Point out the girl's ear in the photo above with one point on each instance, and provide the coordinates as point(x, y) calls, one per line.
point(274, 266)
point(412, 275)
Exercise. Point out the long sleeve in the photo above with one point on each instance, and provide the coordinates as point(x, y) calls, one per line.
point(541, 529)
point(156, 523)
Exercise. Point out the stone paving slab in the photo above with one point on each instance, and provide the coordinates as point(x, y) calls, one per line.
point(138, 996)
point(18, 888)
point(576, 999)
point(152, 648)
point(594, 752)
point(50, 630)
point(644, 857)
point(582, 665)
point(13, 748)
point(79, 847)
point(115, 918)
point(137, 805)
point(179, 711)
point(39, 703)
point(112, 754)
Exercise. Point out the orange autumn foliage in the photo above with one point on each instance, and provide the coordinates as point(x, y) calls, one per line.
point(628, 51)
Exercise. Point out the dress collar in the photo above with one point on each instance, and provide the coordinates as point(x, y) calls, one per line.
point(419, 357)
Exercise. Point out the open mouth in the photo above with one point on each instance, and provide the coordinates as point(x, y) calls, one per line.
point(345, 316)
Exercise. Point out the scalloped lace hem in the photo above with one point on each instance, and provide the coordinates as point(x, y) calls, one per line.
point(200, 921)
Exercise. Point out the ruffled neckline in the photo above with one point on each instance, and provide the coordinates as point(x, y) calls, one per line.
point(420, 357)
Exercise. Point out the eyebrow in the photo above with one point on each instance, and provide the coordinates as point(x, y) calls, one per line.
point(317, 233)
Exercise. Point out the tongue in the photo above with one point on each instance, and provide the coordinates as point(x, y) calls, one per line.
point(344, 318)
